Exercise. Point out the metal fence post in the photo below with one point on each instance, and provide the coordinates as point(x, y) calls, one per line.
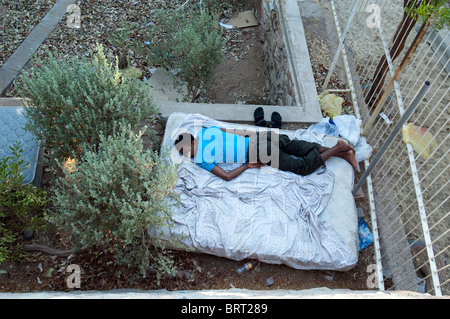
point(411, 108)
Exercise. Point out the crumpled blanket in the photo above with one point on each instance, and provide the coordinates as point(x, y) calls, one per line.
point(263, 214)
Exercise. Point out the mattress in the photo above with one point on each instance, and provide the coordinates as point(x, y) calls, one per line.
point(12, 122)
point(305, 222)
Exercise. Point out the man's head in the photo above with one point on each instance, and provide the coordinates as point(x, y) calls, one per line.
point(185, 144)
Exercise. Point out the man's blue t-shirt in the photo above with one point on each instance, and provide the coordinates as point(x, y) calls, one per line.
point(216, 146)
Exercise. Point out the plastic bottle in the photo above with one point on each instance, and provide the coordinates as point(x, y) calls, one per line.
point(246, 267)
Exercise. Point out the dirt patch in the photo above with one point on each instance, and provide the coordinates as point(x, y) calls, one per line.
point(241, 77)
point(196, 272)
point(322, 47)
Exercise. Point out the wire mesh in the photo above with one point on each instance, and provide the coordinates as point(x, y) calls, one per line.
point(411, 182)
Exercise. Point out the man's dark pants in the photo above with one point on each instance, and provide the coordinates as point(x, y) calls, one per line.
point(307, 160)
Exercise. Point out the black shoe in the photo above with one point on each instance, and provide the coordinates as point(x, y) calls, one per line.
point(275, 121)
point(259, 117)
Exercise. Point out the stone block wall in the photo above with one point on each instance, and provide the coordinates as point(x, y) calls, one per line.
point(286, 56)
point(275, 53)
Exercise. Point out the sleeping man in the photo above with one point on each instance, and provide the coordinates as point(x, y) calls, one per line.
point(255, 148)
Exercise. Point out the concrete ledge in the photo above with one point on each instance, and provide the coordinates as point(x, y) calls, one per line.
point(222, 112)
point(241, 112)
point(316, 293)
point(22, 55)
point(300, 62)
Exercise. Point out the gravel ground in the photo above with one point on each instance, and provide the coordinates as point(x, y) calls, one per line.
point(99, 21)
point(17, 19)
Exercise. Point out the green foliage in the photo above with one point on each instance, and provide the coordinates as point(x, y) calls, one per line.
point(161, 49)
point(434, 11)
point(113, 195)
point(6, 239)
point(188, 40)
point(21, 206)
point(120, 38)
point(200, 45)
point(75, 101)
point(115, 190)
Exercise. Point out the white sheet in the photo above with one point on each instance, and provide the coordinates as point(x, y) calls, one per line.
point(305, 222)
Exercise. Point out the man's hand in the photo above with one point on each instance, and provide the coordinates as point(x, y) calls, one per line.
point(255, 165)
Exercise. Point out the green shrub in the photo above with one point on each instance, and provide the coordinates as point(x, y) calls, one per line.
point(75, 101)
point(160, 48)
point(120, 39)
point(186, 40)
point(200, 45)
point(113, 195)
point(21, 206)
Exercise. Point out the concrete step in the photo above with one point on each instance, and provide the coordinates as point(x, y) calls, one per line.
point(242, 112)
point(223, 112)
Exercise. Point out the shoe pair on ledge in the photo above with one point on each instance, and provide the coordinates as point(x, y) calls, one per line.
point(259, 119)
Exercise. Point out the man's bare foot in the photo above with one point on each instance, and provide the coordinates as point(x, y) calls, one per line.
point(341, 149)
point(349, 156)
point(344, 146)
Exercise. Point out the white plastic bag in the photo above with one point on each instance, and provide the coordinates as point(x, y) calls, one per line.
point(363, 150)
point(325, 127)
point(349, 127)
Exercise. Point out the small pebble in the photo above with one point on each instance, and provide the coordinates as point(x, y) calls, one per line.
point(268, 281)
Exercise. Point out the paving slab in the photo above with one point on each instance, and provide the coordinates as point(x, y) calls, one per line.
point(164, 87)
point(22, 55)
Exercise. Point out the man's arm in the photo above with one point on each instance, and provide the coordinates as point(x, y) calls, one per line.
point(228, 176)
point(249, 132)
